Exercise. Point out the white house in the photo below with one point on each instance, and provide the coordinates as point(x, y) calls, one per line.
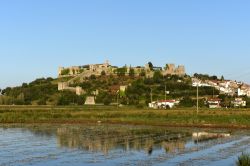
point(163, 104)
point(214, 103)
point(239, 102)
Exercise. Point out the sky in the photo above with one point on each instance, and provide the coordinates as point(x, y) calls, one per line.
point(207, 36)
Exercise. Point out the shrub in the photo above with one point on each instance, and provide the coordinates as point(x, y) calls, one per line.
point(140, 106)
point(65, 72)
point(107, 100)
point(103, 73)
point(243, 160)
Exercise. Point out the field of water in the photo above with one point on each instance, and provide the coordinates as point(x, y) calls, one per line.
point(76, 145)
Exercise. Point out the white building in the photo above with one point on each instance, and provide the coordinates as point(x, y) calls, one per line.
point(239, 102)
point(163, 104)
point(196, 82)
point(214, 103)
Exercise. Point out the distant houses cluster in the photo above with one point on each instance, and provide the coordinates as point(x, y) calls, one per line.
point(227, 87)
point(231, 88)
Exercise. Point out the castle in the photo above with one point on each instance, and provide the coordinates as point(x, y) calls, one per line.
point(107, 69)
point(82, 72)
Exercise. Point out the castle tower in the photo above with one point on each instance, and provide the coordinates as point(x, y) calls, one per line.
point(107, 63)
point(180, 70)
point(60, 69)
point(170, 69)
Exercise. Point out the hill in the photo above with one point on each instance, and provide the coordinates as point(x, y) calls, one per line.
point(137, 90)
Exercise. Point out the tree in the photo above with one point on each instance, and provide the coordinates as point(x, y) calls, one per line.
point(65, 72)
point(42, 101)
point(214, 77)
point(150, 65)
point(157, 76)
point(187, 102)
point(24, 85)
point(107, 100)
point(227, 102)
point(92, 77)
point(103, 73)
point(132, 72)
point(222, 78)
point(121, 71)
point(142, 73)
point(67, 98)
point(167, 67)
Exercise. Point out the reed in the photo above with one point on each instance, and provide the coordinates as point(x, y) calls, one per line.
point(243, 160)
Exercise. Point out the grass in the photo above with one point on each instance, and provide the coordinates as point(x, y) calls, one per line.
point(243, 160)
point(131, 115)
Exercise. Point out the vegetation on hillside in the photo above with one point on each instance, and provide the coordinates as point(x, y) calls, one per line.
point(44, 91)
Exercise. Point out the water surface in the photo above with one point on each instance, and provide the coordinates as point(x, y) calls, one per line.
point(119, 145)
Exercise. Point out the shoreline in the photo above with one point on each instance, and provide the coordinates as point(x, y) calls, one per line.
point(205, 126)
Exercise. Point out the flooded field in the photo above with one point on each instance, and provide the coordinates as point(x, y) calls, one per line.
point(119, 145)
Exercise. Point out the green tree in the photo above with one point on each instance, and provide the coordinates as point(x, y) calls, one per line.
point(187, 102)
point(65, 72)
point(131, 72)
point(166, 67)
point(107, 100)
point(151, 66)
point(157, 76)
point(68, 98)
point(142, 73)
point(121, 71)
point(42, 101)
point(92, 77)
point(103, 73)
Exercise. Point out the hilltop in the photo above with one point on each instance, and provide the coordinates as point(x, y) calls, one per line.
point(107, 84)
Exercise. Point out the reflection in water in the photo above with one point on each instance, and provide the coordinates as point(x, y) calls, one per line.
point(174, 146)
point(104, 139)
point(206, 136)
point(119, 145)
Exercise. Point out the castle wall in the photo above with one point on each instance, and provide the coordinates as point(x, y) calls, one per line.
point(97, 69)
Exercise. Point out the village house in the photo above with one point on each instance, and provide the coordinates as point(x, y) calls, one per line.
point(196, 82)
point(243, 90)
point(239, 102)
point(214, 103)
point(227, 87)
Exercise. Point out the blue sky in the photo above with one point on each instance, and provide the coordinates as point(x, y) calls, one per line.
point(207, 36)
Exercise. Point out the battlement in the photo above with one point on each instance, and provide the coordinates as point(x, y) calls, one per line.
point(107, 69)
point(97, 69)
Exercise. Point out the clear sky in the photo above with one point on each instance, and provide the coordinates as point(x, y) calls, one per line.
point(207, 36)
